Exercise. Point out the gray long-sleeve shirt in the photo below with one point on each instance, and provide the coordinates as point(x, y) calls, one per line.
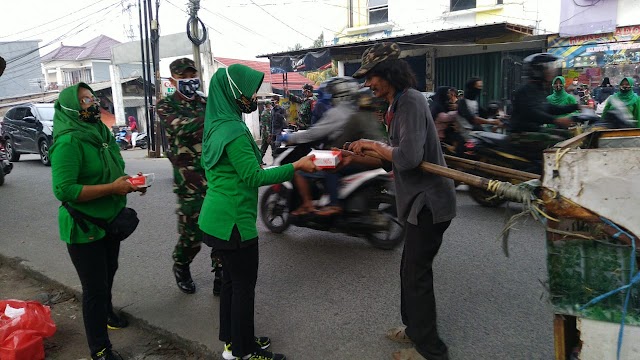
point(414, 139)
point(330, 126)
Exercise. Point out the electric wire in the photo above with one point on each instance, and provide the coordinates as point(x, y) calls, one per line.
point(280, 21)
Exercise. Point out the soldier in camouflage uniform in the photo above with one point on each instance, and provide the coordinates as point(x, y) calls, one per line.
point(307, 101)
point(265, 128)
point(182, 117)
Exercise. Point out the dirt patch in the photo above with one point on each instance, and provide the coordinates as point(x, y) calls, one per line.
point(135, 342)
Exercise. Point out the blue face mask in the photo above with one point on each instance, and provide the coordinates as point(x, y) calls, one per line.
point(188, 87)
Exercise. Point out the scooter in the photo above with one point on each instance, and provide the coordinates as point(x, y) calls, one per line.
point(123, 138)
point(496, 149)
point(368, 199)
point(5, 165)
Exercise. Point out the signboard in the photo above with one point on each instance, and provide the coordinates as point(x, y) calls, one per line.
point(167, 88)
point(308, 62)
point(617, 48)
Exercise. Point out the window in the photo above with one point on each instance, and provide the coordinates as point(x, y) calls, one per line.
point(457, 5)
point(378, 11)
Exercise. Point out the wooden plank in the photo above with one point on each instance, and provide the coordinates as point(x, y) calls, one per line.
point(559, 338)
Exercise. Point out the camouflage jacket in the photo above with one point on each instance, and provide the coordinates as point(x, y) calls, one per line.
point(304, 110)
point(183, 122)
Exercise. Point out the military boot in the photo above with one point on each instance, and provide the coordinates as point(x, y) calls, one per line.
point(183, 278)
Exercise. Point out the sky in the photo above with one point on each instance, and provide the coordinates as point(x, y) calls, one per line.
point(239, 29)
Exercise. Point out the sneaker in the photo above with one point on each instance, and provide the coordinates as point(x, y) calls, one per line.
point(115, 321)
point(266, 355)
point(263, 343)
point(106, 354)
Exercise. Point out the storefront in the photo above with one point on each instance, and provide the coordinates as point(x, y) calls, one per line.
point(591, 58)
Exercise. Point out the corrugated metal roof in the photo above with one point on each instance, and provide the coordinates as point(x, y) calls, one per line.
point(98, 48)
point(295, 81)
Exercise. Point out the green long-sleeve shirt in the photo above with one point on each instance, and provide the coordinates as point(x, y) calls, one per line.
point(232, 194)
point(74, 164)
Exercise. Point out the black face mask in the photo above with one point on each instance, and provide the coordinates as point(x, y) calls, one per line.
point(245, 104)
point(91, 114)
point(188, 87)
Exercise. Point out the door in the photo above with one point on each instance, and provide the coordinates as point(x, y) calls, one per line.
point(10, 126)
point(31, 128)
point(18, 134)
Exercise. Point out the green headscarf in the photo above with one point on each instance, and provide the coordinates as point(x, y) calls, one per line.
point(630, 98)
point(223, 119)
point(66, 120)
point(560, 97)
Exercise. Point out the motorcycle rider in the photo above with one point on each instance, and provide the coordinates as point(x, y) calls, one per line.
point(560, 96)
point(628, 97)
point(331, 127)
point(531, 110)
point(469, 110)
point(322, 105)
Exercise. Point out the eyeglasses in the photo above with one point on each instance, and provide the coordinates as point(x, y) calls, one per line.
point(89, 100)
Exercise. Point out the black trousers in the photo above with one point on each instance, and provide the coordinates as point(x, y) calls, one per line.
point(264, 146)
point(418, 303)
point(96, 264)
point(237, 298)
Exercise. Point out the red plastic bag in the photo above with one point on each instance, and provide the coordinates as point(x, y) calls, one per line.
point(22, 332)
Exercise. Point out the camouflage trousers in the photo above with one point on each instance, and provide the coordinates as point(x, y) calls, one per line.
point(189, 233)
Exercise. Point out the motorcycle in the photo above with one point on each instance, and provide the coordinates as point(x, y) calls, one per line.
point(123, 139)
point(369, 205)
point(5, 165)
point(496, 149)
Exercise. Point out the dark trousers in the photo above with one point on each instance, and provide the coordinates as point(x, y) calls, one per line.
point(264, 146)
point(238, 297)
point(96, 264)
point(418, 303)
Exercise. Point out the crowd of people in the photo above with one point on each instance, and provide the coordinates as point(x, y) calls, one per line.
point(218, 168)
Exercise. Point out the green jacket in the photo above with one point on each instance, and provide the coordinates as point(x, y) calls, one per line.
point(232, 197)
point(231, 158)
point(83, 154)
point(630, 99)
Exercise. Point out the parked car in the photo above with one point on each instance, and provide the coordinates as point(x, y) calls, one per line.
point(28, 129)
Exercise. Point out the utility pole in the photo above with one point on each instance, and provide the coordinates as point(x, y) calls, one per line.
point(145, 81)
point(155, 54)
point(194, 36)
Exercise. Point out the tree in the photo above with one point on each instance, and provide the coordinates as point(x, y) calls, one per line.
point(319, 42)
point(295, 47)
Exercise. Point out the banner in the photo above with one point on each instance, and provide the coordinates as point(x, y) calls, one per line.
point(307, 62)
point(597, 50)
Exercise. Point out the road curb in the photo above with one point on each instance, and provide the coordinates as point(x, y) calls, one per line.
point(194, 347)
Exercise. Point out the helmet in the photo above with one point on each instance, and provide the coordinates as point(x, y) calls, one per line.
point(342, 88)
point(536, 64)
point(322, 92)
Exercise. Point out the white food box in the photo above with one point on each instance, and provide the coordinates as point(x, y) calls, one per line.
point(326, 159)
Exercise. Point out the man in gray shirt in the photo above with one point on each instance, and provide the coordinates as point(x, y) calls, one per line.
point(426, 202)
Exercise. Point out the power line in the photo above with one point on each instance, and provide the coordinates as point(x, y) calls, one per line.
point(63, 36)
point(282, 22)
point(49, 22)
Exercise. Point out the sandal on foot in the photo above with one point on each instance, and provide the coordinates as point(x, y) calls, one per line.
point(329, 211)
point(398, 335)
point(407, 354)
point(302, 211)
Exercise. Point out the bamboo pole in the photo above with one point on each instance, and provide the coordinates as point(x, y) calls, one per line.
point(512, 174)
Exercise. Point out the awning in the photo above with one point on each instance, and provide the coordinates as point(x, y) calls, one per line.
point(469, 34)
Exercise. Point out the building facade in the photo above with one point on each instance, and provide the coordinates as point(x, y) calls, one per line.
point(22, 75)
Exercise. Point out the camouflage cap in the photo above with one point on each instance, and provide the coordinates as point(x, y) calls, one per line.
point(375, 55)
point(180, 65)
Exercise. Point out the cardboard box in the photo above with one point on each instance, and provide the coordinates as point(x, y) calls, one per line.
point(326, 159)
point(142, 181)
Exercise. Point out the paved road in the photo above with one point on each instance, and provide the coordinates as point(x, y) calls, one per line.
point(319, 295)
